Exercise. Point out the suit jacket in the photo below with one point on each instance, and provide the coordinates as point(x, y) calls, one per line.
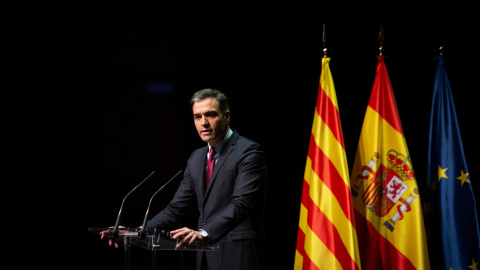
point(231, 207)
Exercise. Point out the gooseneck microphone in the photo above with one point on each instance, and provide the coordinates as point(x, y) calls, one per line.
point(141, 233)
point(114, 232)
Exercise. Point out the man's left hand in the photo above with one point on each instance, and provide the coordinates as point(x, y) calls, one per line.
point(186, 235)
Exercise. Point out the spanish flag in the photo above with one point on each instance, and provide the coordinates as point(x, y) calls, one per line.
point(388, 210)
point(326, 236)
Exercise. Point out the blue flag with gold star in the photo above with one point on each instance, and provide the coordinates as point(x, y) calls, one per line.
point(453, 222)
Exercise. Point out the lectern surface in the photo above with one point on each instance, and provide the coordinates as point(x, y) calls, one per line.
point(153, 240)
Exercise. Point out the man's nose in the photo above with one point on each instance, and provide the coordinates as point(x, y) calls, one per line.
point(204, 121)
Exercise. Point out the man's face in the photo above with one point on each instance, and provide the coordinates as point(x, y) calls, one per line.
point(211, 124)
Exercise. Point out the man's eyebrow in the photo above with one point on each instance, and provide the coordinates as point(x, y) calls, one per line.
point(206, 113)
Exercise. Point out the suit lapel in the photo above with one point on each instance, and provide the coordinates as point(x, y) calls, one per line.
point(228, 148)
point(204, 166)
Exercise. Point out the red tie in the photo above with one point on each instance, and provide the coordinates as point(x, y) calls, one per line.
point(211, 163)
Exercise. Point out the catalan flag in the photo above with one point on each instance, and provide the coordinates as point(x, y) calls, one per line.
point(453, 223)
point(386, 199)
point(326, 233)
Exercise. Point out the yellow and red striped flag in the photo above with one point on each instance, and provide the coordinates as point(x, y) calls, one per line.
point(388, 210)
point(326, 232)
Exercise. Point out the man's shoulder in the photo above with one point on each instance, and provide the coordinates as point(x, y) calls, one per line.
point(246, 140)
point(237, 138)
point(247, 143)
point(199, 152)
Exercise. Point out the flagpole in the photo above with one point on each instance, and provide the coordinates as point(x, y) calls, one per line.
point(381, 39)
point(324, 38)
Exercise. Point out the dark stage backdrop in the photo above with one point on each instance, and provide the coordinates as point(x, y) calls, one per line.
point(114, 106)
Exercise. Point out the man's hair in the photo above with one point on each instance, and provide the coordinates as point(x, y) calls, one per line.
point(209, 93)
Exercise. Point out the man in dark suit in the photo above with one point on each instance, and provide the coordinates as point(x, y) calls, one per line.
point(231, 205)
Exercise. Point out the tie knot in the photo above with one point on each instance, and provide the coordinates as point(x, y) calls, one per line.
point(212, 153)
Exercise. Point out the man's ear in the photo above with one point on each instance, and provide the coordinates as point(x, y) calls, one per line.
point(227, 117)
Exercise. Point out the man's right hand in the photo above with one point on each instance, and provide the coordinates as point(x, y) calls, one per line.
point(104, 234)
point(111, 241)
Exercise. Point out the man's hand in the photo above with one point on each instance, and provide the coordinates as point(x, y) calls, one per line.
point(104, 234)
point(186, 235)
point(111, 241)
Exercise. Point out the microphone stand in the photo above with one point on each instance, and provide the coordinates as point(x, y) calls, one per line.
point(142, 232)
point(114, 232)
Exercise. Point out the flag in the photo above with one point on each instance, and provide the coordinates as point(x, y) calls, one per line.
point(386, 199)
point(455, 237)
point(326, 236)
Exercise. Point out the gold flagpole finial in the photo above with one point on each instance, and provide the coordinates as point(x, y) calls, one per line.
point(324, 38)
point(381, 39)
point(441, 50)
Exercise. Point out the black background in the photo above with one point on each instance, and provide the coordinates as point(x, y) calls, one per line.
point(99, 131)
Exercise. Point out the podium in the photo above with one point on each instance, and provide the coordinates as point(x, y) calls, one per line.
point(153, 241)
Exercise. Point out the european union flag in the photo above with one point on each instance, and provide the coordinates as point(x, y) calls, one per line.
point(454, 230)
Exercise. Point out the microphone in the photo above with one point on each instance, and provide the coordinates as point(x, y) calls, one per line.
point(114, 232)
point(141, 233)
